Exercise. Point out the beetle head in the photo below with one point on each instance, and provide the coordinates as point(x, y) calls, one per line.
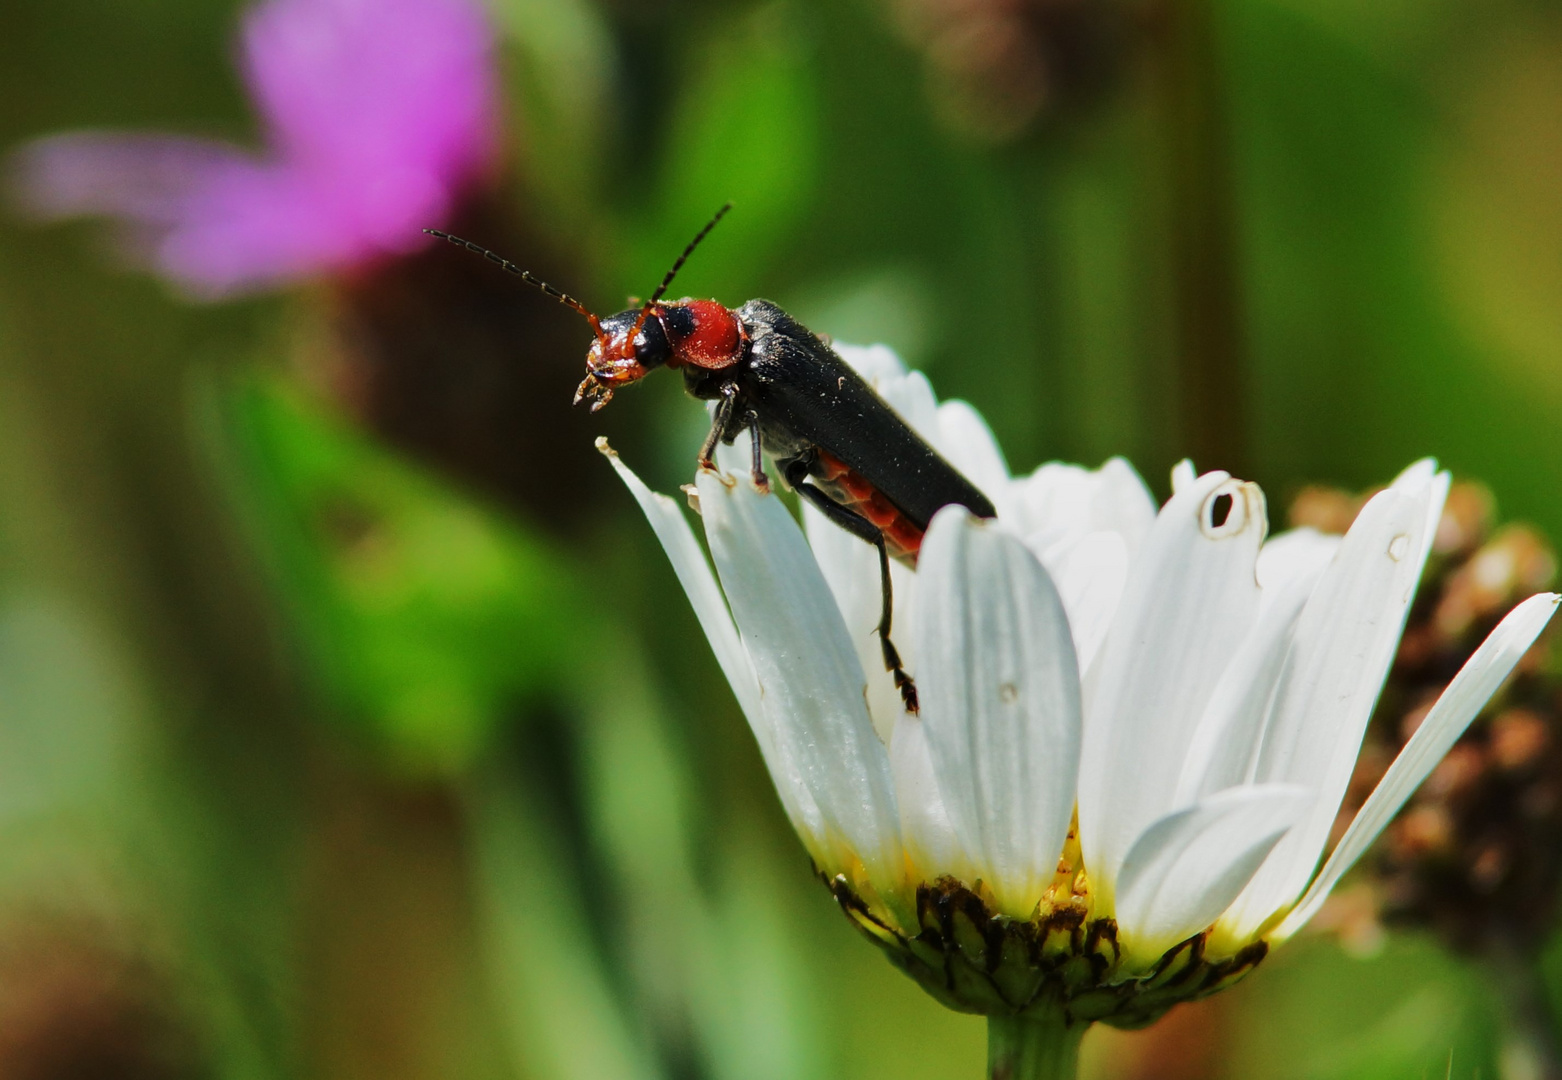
point(631, 345)
point(628, 345)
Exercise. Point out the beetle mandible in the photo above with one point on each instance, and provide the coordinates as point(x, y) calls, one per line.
point(835, 441)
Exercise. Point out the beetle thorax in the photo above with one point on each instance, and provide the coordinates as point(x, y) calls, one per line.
point(703, 334)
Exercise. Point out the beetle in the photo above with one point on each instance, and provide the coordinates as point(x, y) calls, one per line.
point(832, 438)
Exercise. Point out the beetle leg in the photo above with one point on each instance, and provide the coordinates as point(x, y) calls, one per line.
point(724, 407)
point(860, 526)
point(761, 481)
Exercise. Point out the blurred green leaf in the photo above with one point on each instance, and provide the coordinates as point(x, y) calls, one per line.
point(551, 989)
point(1313, 1013)
point(68, 712)
point(1411, 1039)
point(711, 953)
point(744, 128)
point(892, 306)
point(424, 616)
point(563, 76)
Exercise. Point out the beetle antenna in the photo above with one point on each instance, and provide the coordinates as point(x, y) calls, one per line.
point(527, 276)
point(667, 279)
point(678, 265)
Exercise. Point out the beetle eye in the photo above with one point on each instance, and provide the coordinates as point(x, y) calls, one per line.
point(651, 347)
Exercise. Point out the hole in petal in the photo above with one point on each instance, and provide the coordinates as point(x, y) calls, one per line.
point(1397, 546)
point(1219, 510)
point(1226, 511)
point(1008, 693)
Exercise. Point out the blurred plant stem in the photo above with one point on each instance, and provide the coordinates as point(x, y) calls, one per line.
point(1207, 321)
point(1142, 292)
point(387, 940)
point(1042, 1047)
point(1530, 1047)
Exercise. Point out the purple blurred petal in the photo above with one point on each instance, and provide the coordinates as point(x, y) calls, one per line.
point(260, 226)
point(393, 93)
point(113, 174)
point(216, 221)
point(379, 114)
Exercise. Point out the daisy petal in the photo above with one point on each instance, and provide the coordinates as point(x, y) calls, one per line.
point(710, 608)
point(1000, 700)
point(1422, 478)
point(967, 443)
point(1050, 505)
point(1059, 502)
point(929, 835)
point(1459, 704)
point(911, 395)
point(1344, 642)
point(843, 559)
point(1187, 867)
point(1298, 553)
point(851, 568)
point(699, 583)
point(1416, 475)
point(1090, 573)
point(1189, 604)
point(1222, 751)
point(1123, 503)
point(872, 362)
point(810, 683)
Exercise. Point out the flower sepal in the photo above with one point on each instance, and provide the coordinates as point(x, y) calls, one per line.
point(974, 960)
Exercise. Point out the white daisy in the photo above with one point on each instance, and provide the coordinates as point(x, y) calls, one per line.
point(1136, 727)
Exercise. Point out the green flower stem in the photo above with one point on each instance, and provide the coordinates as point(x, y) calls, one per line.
point(1035, 1047)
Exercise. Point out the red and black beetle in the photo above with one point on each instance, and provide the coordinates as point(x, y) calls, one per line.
point(831, 437)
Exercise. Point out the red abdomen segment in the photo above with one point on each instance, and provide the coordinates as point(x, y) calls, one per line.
point(848, 488)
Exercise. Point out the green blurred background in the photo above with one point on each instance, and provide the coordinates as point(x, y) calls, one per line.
point(351, 723)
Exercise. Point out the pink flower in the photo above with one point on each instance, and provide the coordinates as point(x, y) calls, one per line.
point(378, 115)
